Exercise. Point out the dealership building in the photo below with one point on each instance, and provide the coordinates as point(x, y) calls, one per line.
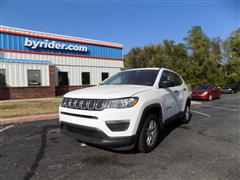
point(38, 64)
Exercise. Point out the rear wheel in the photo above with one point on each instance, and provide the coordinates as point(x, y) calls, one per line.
point(187, 115)
point(149, 134)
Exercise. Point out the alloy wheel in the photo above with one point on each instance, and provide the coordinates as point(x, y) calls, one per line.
point(151, 133)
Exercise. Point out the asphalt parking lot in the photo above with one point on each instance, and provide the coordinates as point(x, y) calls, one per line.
point(207, 148)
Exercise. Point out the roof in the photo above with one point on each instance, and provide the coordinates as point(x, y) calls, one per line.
point(142, 69)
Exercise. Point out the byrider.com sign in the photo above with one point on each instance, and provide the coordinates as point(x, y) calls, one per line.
point(46, 44)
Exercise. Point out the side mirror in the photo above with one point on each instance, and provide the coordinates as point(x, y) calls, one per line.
point(166, 84)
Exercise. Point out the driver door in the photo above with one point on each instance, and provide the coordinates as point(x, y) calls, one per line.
point(169, 95)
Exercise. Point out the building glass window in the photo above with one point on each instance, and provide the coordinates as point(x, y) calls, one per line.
point(34, 77)
point(63, 78)
point(85, 78)
point(2, 78)
point(104, 75)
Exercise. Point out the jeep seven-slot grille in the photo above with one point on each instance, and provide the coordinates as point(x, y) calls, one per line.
point(85, 104)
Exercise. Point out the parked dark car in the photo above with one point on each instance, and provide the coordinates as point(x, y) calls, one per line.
point(206, 91)
point(230, 88)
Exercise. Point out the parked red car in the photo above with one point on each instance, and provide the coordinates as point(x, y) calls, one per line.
point(206, 91)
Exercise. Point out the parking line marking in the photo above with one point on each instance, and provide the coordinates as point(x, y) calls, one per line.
point(204, 114)
point(3, 129)
point(234, 110)
point(227, 99)
point(228, 104)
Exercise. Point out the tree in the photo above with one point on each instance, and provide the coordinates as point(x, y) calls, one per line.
point(199, 60)
point(198, 45)
point(232, 57)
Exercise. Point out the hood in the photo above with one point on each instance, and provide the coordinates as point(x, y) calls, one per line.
point(228, 88)
point(108, 91)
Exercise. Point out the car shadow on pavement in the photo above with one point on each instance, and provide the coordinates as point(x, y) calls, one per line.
point(165, 131)
point(41, 151)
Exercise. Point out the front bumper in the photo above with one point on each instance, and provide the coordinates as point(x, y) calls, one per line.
point(199, 97)
point(94, 136)
point(227, 91)
point(101, 119)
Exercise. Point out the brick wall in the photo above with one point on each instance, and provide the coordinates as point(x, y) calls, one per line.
point(38, 91)
point(4, 93)
point(30, 92)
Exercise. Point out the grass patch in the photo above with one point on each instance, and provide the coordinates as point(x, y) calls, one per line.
point(29, 107)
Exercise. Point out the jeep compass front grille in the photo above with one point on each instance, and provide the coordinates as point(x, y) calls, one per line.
point(85, 104)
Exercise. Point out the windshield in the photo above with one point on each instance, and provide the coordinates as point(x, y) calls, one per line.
point(227, 86)
point(134, 77)
point(203, 87)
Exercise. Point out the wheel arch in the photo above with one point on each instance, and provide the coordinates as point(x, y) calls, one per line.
point(153, 108)
point(188, 101)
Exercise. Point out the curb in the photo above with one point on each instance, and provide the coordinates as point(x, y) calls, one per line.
point(46, 117)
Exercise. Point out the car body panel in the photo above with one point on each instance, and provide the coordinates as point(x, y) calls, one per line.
point(205, 93)
point(171, 100)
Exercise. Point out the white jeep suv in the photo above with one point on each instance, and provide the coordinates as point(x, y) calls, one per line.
point(126, 110)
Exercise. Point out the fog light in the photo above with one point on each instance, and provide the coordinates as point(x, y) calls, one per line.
point(119, 125)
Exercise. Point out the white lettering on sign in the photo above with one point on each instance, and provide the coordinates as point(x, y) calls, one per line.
point(53, 45)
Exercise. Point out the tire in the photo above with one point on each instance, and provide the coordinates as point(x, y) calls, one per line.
point(210, 97)
point(149, 134)
point(187, 115)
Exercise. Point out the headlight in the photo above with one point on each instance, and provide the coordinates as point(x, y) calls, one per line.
point(122, 103)
point(205, 93)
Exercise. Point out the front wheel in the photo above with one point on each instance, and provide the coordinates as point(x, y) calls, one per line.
point(210, 97)
point(149, 134)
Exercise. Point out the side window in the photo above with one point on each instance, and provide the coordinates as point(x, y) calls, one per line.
point(34, 77)
point(2, 78)
point(177, 80)
point(170, 76)
point(166, 76)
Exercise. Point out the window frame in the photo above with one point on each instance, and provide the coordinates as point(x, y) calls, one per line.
point(40, 77)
